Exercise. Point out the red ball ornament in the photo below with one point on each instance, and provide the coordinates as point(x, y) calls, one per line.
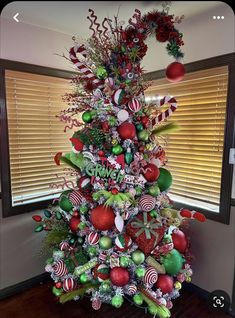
point(179, 240)
point(74, 223)
point(102, 218)
point(165, 283)
point(175, 72)
point(151, 172)
point(126, 131)
point(119, 276)
point(145, 121)
point(58, 285)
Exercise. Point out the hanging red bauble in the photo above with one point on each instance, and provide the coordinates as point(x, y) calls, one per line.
point(102, 218)
point(126, 131)
point(175, 72)
point(165, 283)
point(151, 172)
point(74, 223)
point(119, 276)
point(180, 241)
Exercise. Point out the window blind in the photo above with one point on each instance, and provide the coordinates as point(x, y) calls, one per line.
point(35, 134)
point(195, 152)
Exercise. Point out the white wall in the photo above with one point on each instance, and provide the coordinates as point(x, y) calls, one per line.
point(213, 243)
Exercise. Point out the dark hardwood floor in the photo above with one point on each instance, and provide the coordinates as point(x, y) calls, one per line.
point(39, 302)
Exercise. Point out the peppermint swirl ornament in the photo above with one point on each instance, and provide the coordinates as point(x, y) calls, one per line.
point(60, 269)
point(147, 203)
point(96, 304)
point(150, 276)
point(134, 105)
point(69, 284)
point(64, 246)
point(131, 289)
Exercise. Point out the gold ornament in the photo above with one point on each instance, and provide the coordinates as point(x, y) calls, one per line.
point(188, 279)
point(114, 142)
point(178, 285)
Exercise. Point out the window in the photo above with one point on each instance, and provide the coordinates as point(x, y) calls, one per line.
point(196, 152)
point(35, 135)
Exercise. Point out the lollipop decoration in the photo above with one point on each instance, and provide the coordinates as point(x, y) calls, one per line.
point(113, 230)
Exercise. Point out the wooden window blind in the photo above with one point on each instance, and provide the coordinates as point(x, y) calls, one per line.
point(35, 134)
point(195, 152)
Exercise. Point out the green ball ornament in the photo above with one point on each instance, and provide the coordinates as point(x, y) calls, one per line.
point(124, 261)
point(138, 299)
point(82, 226)
point(91, 250)
point(164, 180)
point(154, 190)
point(65, 204)
point(83, 209)
point(153, 213)
point(173, 262)
point(139, 127)
point(143, 135)
point(117, 150)
point(128, 157)
point(83, 278)
point(101, 72)
point(117, 301)
point(138, 257)
point(105, 242)
point(57, 291)
point(140, 271)
point(87, 117)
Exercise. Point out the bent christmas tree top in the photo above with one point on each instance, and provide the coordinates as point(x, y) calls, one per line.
point(116, 234)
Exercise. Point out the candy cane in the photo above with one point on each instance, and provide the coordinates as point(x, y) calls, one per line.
point(173, 105)
point(82, 67)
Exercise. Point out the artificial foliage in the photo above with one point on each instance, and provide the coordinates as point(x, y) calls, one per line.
point(114, 233)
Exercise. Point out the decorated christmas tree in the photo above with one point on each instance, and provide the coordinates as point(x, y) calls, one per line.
point(116, 234)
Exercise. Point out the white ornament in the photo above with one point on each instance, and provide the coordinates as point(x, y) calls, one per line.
point(119, 222)
point(122, 115)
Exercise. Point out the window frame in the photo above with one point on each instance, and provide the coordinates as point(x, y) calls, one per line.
point(229, 133)
point(5, 195)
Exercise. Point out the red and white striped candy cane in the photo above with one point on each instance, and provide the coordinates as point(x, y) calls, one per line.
point(82, 67)
point(173, 105)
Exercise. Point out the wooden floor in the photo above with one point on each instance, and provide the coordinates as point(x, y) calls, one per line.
point(39, 302)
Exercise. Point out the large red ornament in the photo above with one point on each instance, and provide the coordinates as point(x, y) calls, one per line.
point(175, 72)
point(179, 240)
point(151, 172)
point(102, 218)
point(119, 276)
point(74, 223)
point(126, 131)
point(165, 283)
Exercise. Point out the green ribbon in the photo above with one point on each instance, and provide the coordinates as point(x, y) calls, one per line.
point(146, 227)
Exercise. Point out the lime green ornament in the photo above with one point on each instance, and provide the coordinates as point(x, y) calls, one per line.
point(153, 213)
point(65, 204)
point(143, 135)
point(128, 157)
point(101, 72)
point(139, 127)
point(105, 242)
point(57, 291)
point(124, 261)
point(138, 299)
point(91, 250)
point(117, 150)
point(138, 257)
point(117, 301)
point(164, 180)
point(173, 262)
point(83, 278)
point(154, 190)
point(87, 117)
point(140, 271)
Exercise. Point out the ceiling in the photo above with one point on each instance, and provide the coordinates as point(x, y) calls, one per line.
point(69, 17)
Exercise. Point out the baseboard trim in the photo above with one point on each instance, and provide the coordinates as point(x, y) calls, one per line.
point(22, 286)
point(204, 294)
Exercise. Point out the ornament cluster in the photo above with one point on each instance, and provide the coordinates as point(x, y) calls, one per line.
point(120, 237)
